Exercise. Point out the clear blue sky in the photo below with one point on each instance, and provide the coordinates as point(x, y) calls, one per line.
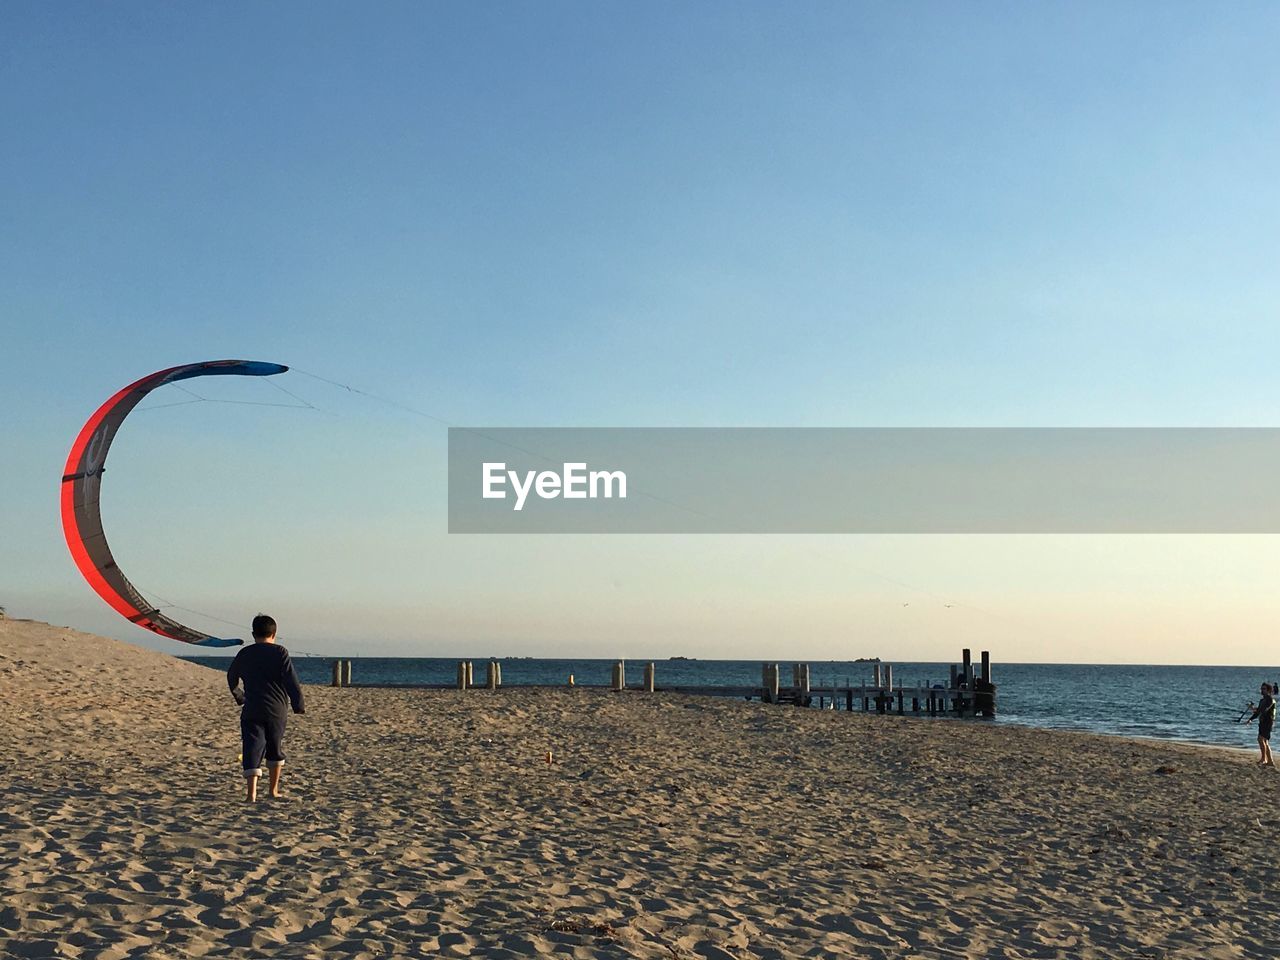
point(657, 214)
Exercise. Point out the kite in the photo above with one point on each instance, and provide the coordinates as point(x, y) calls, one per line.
point(82, 480)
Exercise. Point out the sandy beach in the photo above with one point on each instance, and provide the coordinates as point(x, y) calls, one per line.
point(429, 823)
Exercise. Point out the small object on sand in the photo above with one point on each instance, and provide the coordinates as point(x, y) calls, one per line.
point(548, 756)
point(602, 930)
point(1166, 769)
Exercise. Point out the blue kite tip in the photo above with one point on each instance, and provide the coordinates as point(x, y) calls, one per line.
point(219, 642)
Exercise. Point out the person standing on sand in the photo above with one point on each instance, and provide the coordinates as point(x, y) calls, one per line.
point(1265, 714)
point(270, 688)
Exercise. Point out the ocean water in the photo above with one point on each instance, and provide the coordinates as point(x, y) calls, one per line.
point(1193, 704)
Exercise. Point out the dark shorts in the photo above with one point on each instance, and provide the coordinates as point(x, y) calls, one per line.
point(1264, 729)
point(261, 738)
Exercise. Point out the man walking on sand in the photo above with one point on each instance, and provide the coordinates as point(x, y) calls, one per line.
point(270, 688)
point(1265, 714)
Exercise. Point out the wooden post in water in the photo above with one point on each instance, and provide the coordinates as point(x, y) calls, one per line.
point(984, 699)
point(462, 674)
point(619, 676)
point(966, 700)
point(471, 674)
point(346, 673)
point(802, 684)
point(877, 675)
point(497, 669)
point(337, 673)
point(648, 677)
point(773, 687)
point(491, 675)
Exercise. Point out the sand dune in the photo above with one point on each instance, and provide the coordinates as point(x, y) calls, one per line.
point(428, 823)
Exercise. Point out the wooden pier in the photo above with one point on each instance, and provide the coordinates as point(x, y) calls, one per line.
point(965, 695)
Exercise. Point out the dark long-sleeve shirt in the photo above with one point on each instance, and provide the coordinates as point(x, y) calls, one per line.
point(270, 683)
point(1265, 712)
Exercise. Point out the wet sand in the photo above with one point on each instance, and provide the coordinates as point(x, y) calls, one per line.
point(425, 823)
